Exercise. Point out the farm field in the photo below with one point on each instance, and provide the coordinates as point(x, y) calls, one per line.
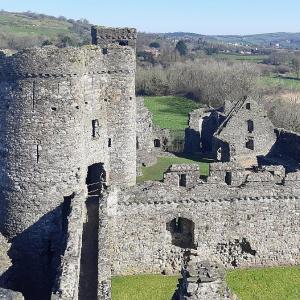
point(250, 58)
point(24, 26)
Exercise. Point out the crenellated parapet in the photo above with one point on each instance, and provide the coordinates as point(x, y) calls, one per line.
point(105, 36)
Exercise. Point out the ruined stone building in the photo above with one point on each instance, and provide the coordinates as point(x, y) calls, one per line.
point(72, 134)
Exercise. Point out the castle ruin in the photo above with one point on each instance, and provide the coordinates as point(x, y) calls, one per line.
point(73, 135)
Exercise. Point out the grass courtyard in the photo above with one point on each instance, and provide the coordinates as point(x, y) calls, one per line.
point(144, 287)
point(280, 283)
point(170, 111)
point(155, 172)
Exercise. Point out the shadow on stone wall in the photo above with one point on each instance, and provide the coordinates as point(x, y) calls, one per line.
point(36, 255)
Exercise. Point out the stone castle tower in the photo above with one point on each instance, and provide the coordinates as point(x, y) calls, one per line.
point(67, 119)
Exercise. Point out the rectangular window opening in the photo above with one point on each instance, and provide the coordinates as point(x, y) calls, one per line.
point(228, 178)
point(250, 144)
point(95, 128)
point(250, 126)
point(182, 180)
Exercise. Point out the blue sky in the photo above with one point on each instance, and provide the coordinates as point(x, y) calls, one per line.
point(207, 17)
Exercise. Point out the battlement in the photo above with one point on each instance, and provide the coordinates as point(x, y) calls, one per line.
point(105, 36)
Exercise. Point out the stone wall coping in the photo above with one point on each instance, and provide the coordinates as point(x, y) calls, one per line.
point(134, 202)
point(183, 168)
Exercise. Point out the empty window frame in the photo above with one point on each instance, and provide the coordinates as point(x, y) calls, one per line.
point(250, 144)
point(250, 126)
point(95, 128)
point(182, 180)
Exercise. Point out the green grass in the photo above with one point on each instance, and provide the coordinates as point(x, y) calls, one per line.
point(170, 112)
point(144, 287)
point(280, 82)
point(155, 172)
point(266, 283)
point(240, 57)
point(22, 25)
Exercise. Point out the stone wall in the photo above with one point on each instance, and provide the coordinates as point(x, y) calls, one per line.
point(185, 175)
point(105, 36)
point(203, 123)
point(67, 285)
point(246, 133)
point(251, 226)
point(63, 110)
point(144, 135)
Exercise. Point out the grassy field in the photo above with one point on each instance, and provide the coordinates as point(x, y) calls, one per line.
point(266, 283)
point(23, 25)
point(170, 111)
point(144, 287)
point(280, 82)
point(240, 57)
point(156, 171)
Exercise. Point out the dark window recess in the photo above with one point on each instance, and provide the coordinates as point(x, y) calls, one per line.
point(157, 143)
point(109, 142)
point(248, 106)
point(95, 128)
point(182, 180)
point(123, 43)
point(33, 95)
point(104, 51)
point(250, 144)
point(250, 126)
point(228, 178)
point(137, 143)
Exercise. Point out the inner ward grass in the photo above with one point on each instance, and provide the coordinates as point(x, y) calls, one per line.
point(144, 287)
point(170, 111)
point(156, 172)
point(265, 283)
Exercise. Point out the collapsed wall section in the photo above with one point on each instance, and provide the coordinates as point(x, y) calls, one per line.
point(287, 146)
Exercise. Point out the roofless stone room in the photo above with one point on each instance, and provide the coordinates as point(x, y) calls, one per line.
point(147, 164)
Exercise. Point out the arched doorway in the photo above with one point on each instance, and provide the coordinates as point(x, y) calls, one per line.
point(182, 232)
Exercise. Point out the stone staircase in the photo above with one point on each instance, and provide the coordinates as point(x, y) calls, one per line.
point(202, 280)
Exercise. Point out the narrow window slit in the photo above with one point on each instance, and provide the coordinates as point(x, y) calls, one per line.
point(38, 148)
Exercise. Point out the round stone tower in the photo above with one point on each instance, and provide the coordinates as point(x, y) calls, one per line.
point(65, 115)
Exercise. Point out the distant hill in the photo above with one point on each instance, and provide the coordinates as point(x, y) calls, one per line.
point(279, 39)
point(21, 30)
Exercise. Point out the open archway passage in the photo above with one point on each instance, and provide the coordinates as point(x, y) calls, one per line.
point(88, 281)
point(95, 179)
point(182, 232)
